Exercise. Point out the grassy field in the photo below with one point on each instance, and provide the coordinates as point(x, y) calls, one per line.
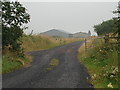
point(11, 61)
point(101, 60)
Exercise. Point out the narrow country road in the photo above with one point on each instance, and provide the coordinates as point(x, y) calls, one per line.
point(68, 74)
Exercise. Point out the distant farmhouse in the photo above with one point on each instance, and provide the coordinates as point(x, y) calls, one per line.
point(61, 33)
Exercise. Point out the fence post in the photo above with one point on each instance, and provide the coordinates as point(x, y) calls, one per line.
point(106, 38)
point(85, 44)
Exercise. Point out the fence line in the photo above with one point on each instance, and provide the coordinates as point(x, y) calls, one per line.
point(106, 39)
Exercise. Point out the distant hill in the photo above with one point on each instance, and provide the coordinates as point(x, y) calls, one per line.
point(57, 33)
point(61, 33)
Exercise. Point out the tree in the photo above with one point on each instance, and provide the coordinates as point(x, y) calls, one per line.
point(105, 27)
point(14, 15)
point(117, 23)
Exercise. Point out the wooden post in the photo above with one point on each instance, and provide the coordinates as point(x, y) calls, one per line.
point(31, 33)
point(85, 44)
point(106, 38)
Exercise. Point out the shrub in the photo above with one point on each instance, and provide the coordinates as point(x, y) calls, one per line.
point(13, 17)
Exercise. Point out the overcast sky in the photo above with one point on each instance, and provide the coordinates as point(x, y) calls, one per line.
point(68, 16)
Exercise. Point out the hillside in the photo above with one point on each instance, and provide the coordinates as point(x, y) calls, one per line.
point(62, 33)
point(56, 32)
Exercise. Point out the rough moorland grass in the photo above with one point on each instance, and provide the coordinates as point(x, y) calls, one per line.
point(39, 42)
point(101, 60)
point(32, 43)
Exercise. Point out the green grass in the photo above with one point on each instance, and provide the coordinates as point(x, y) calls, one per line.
point(102, 63)
point(11, 63)
point(9, 66)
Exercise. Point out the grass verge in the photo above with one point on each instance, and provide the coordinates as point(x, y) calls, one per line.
point(101, 60)
point(40, 42)
point(11, 62)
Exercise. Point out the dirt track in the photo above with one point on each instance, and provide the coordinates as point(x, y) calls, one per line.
point(68, 74)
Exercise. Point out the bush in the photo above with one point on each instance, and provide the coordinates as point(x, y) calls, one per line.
point(13, 17)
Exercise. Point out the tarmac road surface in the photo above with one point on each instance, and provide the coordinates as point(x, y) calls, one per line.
point(69, 73)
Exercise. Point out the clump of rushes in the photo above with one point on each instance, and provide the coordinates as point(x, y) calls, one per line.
point(101, 61)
